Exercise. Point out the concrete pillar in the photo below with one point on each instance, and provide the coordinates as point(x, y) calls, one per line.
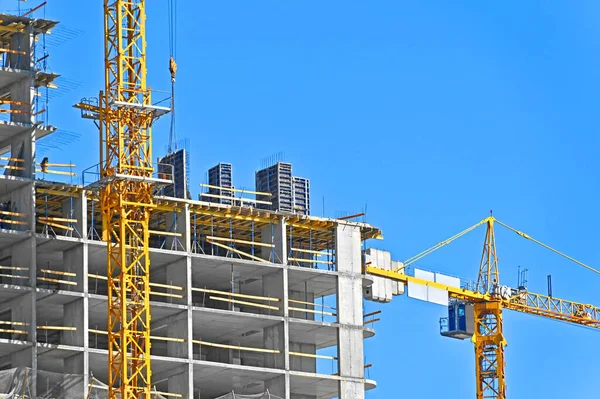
point(22, 146)
point(73, 261)
point(186, 229)
point(350, 312)
point(86, 298)
point(177, 328)
point(22, 358)
point(275, 234)
point(22, 43)
point(24, 255)
point(179, 384)
point(302, 297)
point(219, 355)
point(274, 338)
point(22, 201)
point(21, 312)
point(74, 365)
point(190, 318)
point(277, 386)
point(300, 363)
point(272, 286)
point(277, 337)
point(73, 317)
point(77, 364)
point(177, 275)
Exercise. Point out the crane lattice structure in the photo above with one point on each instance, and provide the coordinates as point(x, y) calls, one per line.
point(489, 299)
point(125, 114)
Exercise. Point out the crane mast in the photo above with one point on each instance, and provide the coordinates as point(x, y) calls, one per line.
point(488, 338)
point(126, 116)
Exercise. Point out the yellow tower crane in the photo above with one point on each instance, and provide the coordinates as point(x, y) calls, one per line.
point(489, 298)
point(125, 114)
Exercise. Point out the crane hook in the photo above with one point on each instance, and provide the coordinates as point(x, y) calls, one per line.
point(172, 68)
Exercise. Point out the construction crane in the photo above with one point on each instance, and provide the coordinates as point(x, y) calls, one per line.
point(488, 298)
point(124, 114)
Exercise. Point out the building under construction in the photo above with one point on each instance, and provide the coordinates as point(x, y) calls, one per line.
point(244, 301)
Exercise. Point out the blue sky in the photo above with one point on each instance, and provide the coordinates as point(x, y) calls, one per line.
point(429, 113)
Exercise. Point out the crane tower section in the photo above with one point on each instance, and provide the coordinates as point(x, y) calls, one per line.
point(125, 114)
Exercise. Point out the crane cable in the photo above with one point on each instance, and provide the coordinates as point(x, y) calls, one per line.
point(442, 243)
point(524, 235)
point(172, 14)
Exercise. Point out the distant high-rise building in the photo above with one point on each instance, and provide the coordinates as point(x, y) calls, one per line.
point(288, 193)
point(301, 195)
point(221, 176)
point(175, 166)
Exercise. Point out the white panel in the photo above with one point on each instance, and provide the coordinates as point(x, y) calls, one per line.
point(423, 275)
point(397, 287)
point(417, 291)
point(436, 295)
point(447, 280)
point(386, 258)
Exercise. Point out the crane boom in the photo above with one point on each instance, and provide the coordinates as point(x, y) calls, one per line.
point(524, 302)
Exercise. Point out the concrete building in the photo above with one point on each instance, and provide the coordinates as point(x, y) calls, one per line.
point(301, 195)
point(288, 193)
point(176, 164)
point(234, 307)
point(221, 175)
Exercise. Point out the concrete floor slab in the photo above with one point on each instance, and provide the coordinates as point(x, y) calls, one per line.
point(221, 326)
point(320, 386)
point(215, 380)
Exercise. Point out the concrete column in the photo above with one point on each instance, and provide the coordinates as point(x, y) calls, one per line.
point(350, 312)
point(73, 317)
point(186, 229)
point(24, 255)
point(277, 386)
point(177, 275)
point(73, 261)
point(20, 311)
point(272, 286)
point(22, 43)
point(190, 317)
point(274, 338)
point(274, 234)
point(303, 297)
point(86, 298)
point(299, 363)
point(22, 358)
point(22, 146)
point(22, 201)
point(74, 365)
point(179, 384)
point(177, 328)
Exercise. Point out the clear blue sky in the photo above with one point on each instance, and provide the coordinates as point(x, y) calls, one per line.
point(431, 112)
